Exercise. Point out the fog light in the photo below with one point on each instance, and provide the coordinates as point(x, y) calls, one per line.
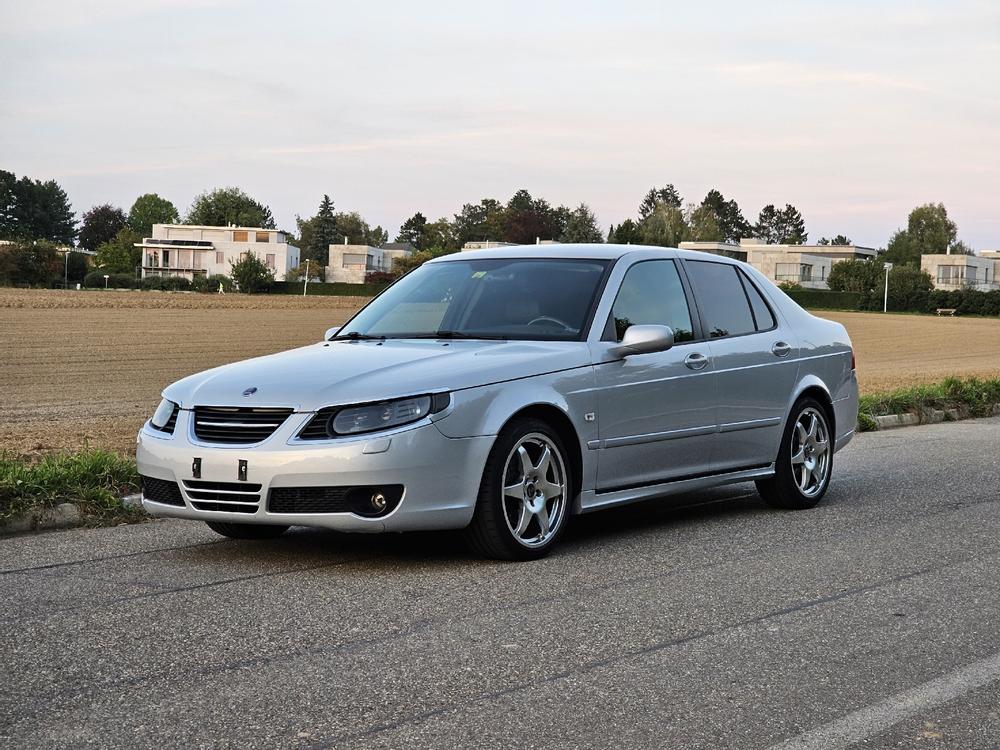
point(379, 502)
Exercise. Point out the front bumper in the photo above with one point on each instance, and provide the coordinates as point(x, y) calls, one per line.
point(440, 475)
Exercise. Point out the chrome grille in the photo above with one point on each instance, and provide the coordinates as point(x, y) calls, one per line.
point(236, 425)
point(230, 497)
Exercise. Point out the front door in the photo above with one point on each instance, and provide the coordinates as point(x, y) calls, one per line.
point(656, 411)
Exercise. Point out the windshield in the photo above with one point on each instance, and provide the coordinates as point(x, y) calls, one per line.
point(508, 298)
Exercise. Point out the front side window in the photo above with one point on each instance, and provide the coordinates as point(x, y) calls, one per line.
point(725, 309)
point(507, 298)
point(652, 294)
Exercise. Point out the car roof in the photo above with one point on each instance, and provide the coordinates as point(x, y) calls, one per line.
point(578, 251)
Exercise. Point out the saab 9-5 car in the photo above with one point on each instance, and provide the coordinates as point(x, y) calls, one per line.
point(503, 391)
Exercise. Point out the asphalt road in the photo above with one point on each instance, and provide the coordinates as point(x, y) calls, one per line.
point(871, 621)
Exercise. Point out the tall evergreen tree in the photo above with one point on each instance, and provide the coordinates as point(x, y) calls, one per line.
point(40, 211)
point(413, 230)
point(666, 195)
point(581, 226)
point(732, 223)
point(626, 233)
point(8, 184)
point(780, 226)
point(323, 233)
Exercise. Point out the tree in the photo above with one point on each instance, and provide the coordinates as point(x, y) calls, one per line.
point(732, 225)
point(781, 226)
point(928, 231)
point(907, 285)
point(413, 230)
point(479, 222)
point(581, 226)
point(100, 225)
point(840, 239)
point(224, 206)
point(626, 233)
point(704, 225)
point(323, 232)
point(856, 275)
point(30, 263)
point(251, 274)
point(8, 185)
point(119, 255)
point(527, 219)
point(37, 210)
point(440, 235)
point(665, 226)
point(151, 209)
point(357, 231)
point(667, 195)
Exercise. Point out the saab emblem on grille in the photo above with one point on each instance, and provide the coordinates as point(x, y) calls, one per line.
point(250, 391)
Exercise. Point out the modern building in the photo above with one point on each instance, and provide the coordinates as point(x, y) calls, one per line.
point(952, 272)
point(188, 250)
point(352, 263)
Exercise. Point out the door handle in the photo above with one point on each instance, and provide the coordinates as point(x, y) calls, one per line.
point(780, 349)
point(695, 361)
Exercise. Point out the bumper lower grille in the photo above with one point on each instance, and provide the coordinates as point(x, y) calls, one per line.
point(237, 425)
point(226, 497)
point(333, 499)
point(161, 491)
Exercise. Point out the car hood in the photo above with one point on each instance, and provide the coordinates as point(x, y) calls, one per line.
point(345, 372)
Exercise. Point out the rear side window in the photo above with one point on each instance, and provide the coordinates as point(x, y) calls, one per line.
point(652, 294)
point(725, 309)
point(762, 314)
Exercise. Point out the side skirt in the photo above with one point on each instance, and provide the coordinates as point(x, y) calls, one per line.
point(591, 500)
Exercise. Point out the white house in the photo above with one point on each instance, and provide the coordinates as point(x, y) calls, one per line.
point(351, 263)
point(187, 250)
point(954, 272)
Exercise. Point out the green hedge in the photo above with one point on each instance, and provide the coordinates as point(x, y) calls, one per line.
point(823, 299)
point(336, 289)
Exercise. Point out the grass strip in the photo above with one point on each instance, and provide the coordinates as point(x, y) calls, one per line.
point(977, 396)
point(95, 480)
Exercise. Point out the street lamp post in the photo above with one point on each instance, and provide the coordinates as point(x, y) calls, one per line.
point(106, 277)
point(305, 284)
point(885, 301)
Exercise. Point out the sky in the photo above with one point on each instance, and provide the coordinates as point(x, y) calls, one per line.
point(855, 112)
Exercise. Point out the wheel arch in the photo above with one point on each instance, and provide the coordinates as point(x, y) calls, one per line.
point(564, 428)
point(813, 387)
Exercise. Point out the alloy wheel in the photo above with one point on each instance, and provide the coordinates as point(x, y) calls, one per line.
point(810, 447)
point(534, 490)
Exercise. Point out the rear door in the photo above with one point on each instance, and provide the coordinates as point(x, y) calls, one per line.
point(656, 410)
point(756, 363)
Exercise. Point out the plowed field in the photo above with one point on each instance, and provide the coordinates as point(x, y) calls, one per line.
point(87, 368)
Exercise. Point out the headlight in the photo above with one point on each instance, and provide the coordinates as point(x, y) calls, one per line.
point(353, 420)
point(164, 417)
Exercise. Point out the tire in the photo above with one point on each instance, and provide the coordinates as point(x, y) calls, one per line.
point(525, 521)
point(801, 477)
point(246, 530)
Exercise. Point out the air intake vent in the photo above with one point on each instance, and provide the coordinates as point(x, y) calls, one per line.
point(236, 426)
point(161, 491)
point(364, 501)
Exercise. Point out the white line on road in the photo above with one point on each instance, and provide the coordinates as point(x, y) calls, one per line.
point(871, 720)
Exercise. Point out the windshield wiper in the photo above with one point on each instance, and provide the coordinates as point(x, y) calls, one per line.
point(355, 336)
point(457, 335)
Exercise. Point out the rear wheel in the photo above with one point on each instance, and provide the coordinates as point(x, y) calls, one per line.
point(805, 459)
point(246, 530)
point(524, 495)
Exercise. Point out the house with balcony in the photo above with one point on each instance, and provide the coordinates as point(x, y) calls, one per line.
point(187, 250)
point(352, 263)
point(806, 265)
point(954, 272)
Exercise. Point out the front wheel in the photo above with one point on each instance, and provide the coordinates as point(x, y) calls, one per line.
point(524, 495)
point(805, 459)
point(246, 530)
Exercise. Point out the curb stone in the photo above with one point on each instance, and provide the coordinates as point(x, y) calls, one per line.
point(61, 516)
point(927, 416)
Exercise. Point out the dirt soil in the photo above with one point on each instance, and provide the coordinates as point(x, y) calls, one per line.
point(87, 368)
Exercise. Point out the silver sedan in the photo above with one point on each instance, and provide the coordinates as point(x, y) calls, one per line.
point(502, 391)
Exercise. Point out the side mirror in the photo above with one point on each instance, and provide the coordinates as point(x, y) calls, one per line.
point(644, 340)
point(330, 333)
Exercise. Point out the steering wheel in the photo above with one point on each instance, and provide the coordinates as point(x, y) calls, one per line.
point(550, 319)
